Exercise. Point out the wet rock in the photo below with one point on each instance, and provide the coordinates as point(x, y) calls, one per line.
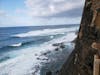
point(57, 44)
point(49, 73)
point(38, 58)
point(44, 59)
point(57, 72)
point(62, 46)
point(45, 53)
point(56, 49)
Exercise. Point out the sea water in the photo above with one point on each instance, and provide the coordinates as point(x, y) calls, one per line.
point(22, 48)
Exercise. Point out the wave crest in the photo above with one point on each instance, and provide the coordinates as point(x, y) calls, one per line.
point(44, 32)
point(16, 45)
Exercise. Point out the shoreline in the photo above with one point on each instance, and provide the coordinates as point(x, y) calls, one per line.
point(55, 59)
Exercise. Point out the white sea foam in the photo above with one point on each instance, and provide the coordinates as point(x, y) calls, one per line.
point(45, 32)
point(26, 62)
point(51, 36)
point(16, 45)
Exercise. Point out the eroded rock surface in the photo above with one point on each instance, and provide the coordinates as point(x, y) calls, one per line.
point(80, 62)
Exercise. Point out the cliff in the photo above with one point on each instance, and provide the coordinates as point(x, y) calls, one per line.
point(80, 62)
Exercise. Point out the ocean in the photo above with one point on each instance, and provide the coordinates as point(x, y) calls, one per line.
point(29, 50)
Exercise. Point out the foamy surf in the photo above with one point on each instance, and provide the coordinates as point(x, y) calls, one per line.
point(26, 63)
point(45, 32)
point(16, 45)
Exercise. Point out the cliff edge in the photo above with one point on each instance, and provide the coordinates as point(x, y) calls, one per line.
point(80, 62)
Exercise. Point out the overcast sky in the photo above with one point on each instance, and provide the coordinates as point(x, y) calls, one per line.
point(40, 12)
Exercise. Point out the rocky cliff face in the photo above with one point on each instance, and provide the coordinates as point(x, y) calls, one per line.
point(80, 62)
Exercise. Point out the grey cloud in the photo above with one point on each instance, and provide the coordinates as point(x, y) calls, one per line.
point(45, 8)
point(77, 12)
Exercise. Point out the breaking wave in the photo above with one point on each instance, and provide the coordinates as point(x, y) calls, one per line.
point(16, 45)
point(45, 32)
point(26, 62)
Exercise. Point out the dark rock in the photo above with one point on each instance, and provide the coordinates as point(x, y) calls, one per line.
point(56, 49)
point(57, 72)
point(38, 58)
point(62, 46)
point(59, 45)
point(45, 53)
point(49, 73)
point(44, 59)
point(56, 44)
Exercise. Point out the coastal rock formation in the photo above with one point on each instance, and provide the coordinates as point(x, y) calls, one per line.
point(80, 62)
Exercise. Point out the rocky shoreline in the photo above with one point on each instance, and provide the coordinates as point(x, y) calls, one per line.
point(53, 60)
